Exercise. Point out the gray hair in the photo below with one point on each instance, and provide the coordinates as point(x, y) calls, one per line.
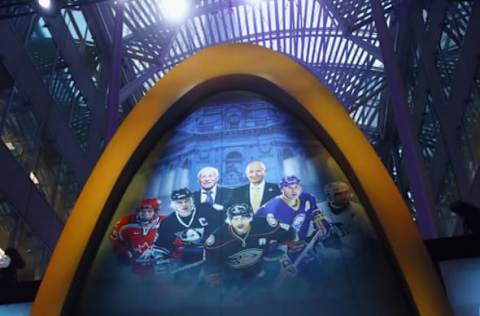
point(208, 168)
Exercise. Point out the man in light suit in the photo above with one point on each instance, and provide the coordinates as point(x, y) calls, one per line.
point(210, 192)
point(258, 191)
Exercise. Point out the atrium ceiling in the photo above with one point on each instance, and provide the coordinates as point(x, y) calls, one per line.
point(406, 71)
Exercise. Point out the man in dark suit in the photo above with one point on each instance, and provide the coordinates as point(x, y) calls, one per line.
point(210, 192)
point(257, 192)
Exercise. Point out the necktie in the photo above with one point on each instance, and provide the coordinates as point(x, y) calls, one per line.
point(209, 197)
point(255, 199)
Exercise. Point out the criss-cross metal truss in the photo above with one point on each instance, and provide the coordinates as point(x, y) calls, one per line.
point(406, 71)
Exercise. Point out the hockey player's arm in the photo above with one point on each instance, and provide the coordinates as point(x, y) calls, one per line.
point(165, 241)
point(361, 219)
point(119, 244)
point(261, 212)
point(283, 233)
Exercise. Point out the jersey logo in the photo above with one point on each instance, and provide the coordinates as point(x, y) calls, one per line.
point(245, 258)
point(203, 221)
point(262, 241)
point(271, 220)
point(298, 221)
point(191, 235)
point(140, 248)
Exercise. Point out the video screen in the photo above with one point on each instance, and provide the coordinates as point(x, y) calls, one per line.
point(240, 209)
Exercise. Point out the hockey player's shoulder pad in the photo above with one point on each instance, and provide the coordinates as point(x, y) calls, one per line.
point(269, 224)
point(274, 203)
point(271, 220)
point(307, 196)
point(124, 220)
point(170, 219)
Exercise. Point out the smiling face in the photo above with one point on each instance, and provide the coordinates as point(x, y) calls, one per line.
point(208, 178)
point(292, 191)
point(184, 207)
point(241, 224)
point(255, 172)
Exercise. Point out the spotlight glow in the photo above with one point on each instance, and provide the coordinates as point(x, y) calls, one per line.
point(45, 4)
point(175, 10)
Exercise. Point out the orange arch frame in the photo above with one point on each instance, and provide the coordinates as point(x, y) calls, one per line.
point(236, 60)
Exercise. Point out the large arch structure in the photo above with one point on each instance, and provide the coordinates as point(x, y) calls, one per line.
point(248, 67)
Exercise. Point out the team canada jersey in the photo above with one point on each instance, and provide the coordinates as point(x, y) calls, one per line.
point(238, 258)
point(300, 219)
point(183, 237)
point(131, 239)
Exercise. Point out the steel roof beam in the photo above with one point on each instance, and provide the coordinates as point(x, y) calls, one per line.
point(30, 204)
point(96, 104)
point(446, 109)
point(419, 183)
point(29, 83)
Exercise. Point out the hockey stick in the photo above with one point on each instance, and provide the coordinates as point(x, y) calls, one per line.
point(309, 246)
point(187, 267)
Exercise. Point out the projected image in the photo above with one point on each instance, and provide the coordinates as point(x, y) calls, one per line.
point(240, 209)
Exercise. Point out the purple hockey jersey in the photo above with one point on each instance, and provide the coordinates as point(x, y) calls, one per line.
point(300, 218)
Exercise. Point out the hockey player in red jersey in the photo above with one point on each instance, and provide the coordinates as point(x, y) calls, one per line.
point(134, 235)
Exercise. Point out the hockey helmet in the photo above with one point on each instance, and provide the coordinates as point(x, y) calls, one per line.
point(335, 187)
point(289, 180)
point(154, 203)
point(181, 194)
point(143, 217)
point(240, 209)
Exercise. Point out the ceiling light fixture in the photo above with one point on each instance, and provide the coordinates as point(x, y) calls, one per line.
point(254, 2)
point(45, 4)
point(175, 10)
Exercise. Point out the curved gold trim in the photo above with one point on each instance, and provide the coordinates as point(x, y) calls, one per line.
point(300, 84)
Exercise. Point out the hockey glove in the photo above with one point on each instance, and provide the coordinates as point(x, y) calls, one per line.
point(288, 269)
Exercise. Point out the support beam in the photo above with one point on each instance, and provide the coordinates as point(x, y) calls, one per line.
point(30, 84)
point(419, 184)
point(450, 111)
point(76, 65)
point(29, 202)
point(115, 79)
